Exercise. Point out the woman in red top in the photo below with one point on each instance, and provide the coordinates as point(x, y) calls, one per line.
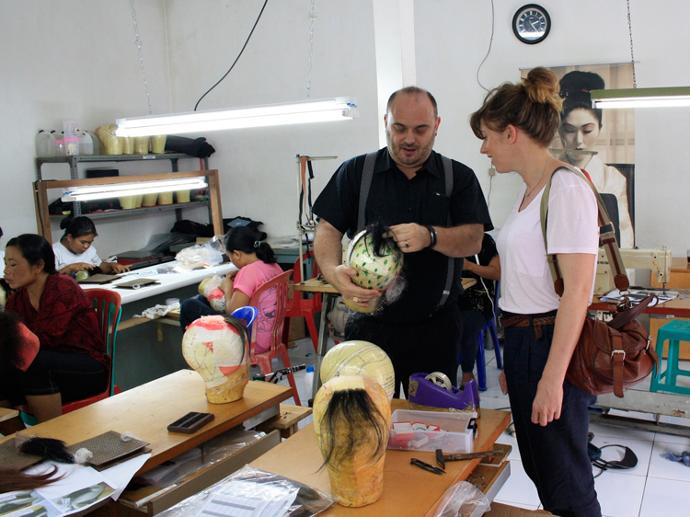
point(70, 364)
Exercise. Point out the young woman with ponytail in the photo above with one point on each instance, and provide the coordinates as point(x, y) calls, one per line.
point(256, 265)
point(516, 124)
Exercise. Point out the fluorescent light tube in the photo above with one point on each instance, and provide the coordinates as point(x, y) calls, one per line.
point(666, 97)
point(337, 109)
point(131, 189)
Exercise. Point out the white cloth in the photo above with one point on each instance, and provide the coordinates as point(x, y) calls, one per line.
point(64, 257)
point(526, 283)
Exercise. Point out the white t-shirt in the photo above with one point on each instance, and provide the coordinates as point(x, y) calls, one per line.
point(64, 257)
point(526, 282)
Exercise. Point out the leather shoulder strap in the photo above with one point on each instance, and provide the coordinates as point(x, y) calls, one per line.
point(607, 236)
point(364, 186)
point(450, 269)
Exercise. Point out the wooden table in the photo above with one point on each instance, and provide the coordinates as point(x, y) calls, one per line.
point(407, 490)
point(145, 412)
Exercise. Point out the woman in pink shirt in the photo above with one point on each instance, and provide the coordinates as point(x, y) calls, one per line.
point(256, 265)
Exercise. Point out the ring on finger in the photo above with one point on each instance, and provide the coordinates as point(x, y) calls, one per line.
point(355, 299)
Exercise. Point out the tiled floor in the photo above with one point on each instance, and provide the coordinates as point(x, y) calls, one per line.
point(656, 487)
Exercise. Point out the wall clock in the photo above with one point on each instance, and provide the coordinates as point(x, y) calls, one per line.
point(531, 24)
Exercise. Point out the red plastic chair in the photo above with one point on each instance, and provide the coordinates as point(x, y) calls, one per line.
point(302, 304)
point(108, 307)
point(279, 285)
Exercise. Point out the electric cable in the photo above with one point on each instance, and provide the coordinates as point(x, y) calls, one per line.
point(236, 59)
point(488, 51)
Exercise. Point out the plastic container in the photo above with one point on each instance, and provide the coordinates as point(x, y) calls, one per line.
point(165, 198)
point(59, 140)
point(70, 137)
point(182, 196)
point(141, 145)
point(44, 144)
point(158, 144)
point(454, 436)
point(85, 143)
point(309, 376)
point(150, 199)
point(128, 202)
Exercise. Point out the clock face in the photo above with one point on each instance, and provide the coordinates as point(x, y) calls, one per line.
point(531, 24)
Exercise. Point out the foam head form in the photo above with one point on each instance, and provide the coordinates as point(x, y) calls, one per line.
point(217, 349)
point(352, 417)
point(377, 261)
point(359, 358)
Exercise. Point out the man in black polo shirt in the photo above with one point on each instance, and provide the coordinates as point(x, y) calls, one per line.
point(408, 193)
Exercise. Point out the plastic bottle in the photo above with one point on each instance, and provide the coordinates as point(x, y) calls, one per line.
point(309, 376)
point(44, 144)
point(70, 137)
point(85, 143)
point(59, 143)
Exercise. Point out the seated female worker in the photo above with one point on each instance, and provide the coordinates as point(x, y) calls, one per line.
point(70, 363)
point(75, 251)
point(256, 264)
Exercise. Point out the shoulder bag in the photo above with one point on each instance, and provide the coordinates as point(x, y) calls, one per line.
point(610, 355)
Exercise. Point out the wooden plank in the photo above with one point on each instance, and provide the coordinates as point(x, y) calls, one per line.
point(114, 180)
point(214, 201)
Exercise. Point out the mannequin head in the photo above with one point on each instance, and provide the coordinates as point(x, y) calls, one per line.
point(217, 348)
point(352, 418)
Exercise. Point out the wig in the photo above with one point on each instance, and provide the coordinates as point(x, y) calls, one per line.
point(11, 480)
point(351, 413)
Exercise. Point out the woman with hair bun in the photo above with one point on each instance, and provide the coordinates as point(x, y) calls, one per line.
point(75, 251)
point(256, 263)
point(516, 124)
point(580, 127)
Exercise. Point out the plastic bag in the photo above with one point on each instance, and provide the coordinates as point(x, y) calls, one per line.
point(261, 489)
point(208, 254)
point(462, 499)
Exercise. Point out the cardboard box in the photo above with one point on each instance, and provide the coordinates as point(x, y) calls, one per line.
point(297, 329)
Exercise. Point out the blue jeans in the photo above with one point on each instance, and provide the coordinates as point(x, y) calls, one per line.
point(554, 457)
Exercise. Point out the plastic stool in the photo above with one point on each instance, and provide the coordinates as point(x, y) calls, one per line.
point(674, 332)
point(489, 326)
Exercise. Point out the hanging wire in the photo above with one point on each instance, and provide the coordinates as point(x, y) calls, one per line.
point(632, 53)
point(236, 59)
point(488, 51)
point(140, 55)
point(310, 52)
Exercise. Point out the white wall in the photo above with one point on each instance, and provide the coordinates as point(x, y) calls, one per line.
point(258, 167)
point(452, 38)
point(72, 59)
point(76, 59)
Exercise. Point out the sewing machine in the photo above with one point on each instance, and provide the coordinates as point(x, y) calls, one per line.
point(658, 260)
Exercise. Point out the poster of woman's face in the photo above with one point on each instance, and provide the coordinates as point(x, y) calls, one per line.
point(600, 142)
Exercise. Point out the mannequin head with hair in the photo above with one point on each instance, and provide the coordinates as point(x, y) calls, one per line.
point(352, 416)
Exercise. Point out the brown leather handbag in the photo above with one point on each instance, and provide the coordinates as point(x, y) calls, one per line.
point(610, 355)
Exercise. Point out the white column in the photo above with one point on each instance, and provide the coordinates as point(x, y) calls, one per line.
point(395, 51)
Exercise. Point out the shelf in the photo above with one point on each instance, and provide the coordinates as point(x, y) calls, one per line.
point(137, 211)
point(85, 158)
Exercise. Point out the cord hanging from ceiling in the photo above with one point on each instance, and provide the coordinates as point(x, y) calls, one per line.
point(256, 22)
point(632, 53)
point(140, 54)
point(310, 47)
point(488, 51)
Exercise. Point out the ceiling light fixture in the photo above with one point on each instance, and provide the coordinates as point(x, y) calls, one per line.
point(135, 188)
point(340, 108)
point(625, 98)
point(666, 97)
